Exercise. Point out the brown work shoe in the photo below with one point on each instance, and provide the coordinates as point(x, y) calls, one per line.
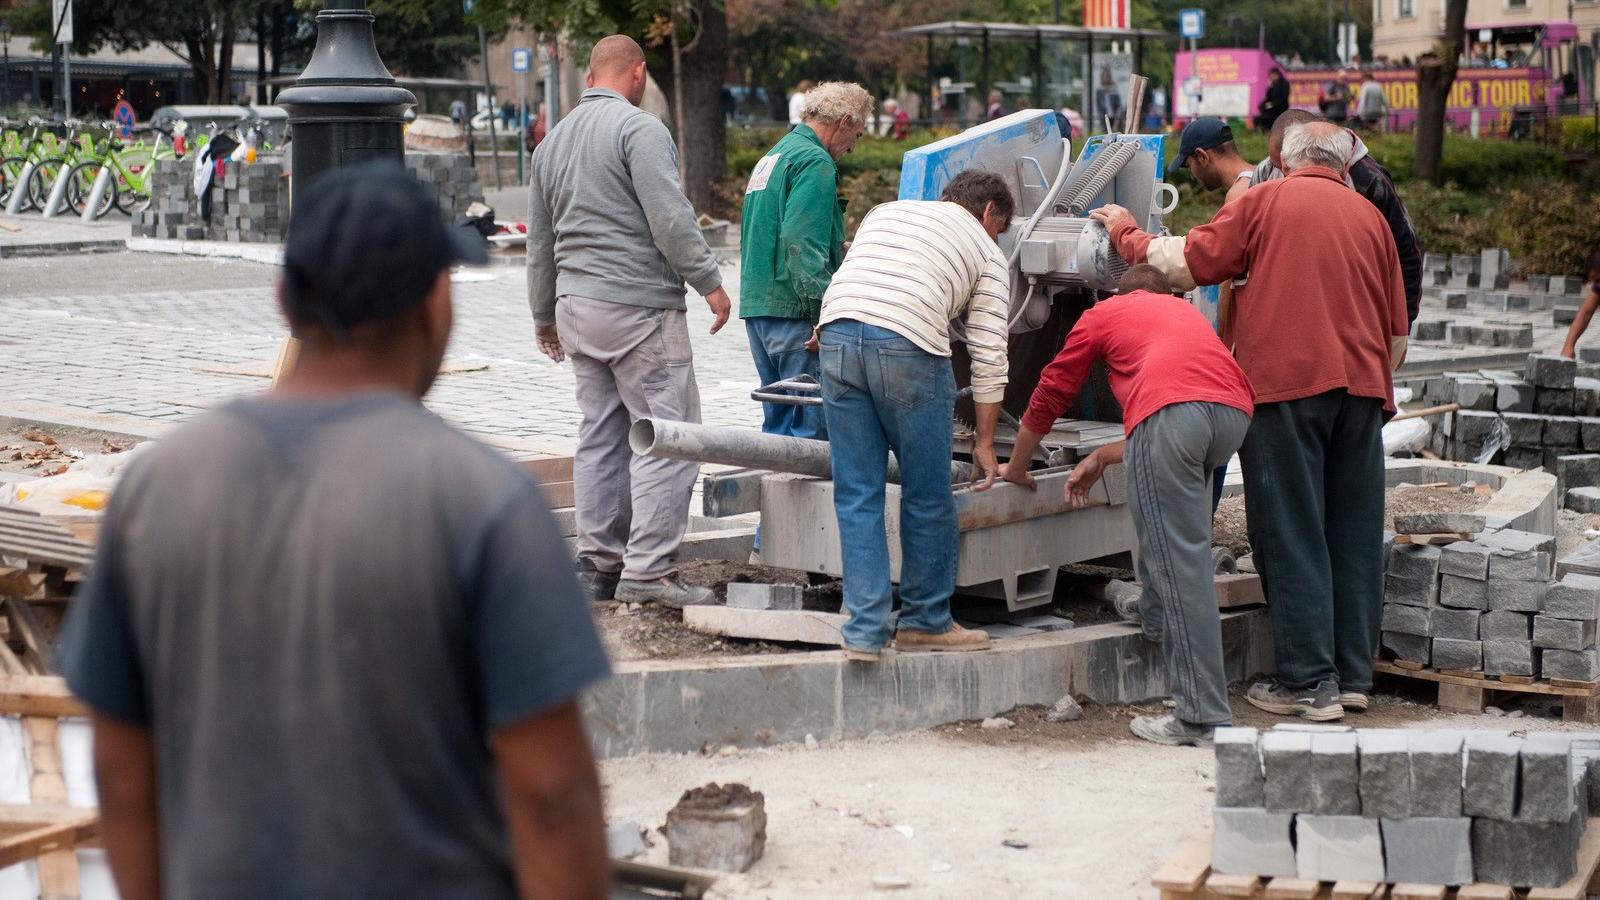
point(955, 639)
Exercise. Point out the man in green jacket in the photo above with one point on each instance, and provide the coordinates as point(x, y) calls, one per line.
point(792, 240)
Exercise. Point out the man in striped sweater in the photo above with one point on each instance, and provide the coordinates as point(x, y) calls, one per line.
point(920, 274)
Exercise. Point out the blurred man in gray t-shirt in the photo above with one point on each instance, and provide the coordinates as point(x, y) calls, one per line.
point(332, 645)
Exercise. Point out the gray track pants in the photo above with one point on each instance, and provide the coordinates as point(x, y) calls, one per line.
point(1171, 457)
point(630, 363)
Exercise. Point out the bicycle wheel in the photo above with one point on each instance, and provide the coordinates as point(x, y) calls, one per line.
point(80, 184)
point(41, 181)
point(10, 172)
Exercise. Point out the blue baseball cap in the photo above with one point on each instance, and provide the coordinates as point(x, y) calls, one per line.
point(1201, 134)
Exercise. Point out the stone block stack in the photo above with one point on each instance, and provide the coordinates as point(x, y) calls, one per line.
point(174, 210)
point(1420, 807)
point(1483, 281)
point(251, 203)
point(453, 181)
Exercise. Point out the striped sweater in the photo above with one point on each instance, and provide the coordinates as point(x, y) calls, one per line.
point(928, 272)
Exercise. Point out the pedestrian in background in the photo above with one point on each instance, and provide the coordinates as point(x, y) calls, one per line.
point(797, 102)
point(997, 106)
point(1275, 102)
point(611, 241)
point(899, 124)
point(333, 646)
point(1322, 263)
point(920, 275)
point(1371, 104)
point(791, 239)
point(1186, 405)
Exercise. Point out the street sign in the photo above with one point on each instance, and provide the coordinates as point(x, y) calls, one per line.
point(61, 17)
point(1192, 23)
point(521, 59)
point(123, 116)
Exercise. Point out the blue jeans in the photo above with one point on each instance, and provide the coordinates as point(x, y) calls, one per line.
point(778, 347)
point(880, 392)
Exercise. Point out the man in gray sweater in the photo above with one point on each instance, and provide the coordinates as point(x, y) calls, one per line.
point(611, 241)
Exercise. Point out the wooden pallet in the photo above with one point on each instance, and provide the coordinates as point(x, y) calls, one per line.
point(1188, 876)
point(1469, 691)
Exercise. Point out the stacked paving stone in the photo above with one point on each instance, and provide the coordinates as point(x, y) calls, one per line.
point(1483, 281)
point(1421, 807)
point(451, 177)
point(251, 203)
point(174, 210)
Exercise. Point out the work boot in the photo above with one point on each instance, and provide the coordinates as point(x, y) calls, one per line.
point(1124, 597)
point(1171, 731)
point(1318, 704)
point(668, 590)
point(955, 638)
point(600, 587)
point(862, 654)
point(1353, 701)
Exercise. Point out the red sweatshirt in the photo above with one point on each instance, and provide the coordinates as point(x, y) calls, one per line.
point(1160, 351)
point(1325, 293)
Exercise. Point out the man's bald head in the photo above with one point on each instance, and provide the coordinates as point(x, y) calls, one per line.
point(1285, 119)
point(617, 63)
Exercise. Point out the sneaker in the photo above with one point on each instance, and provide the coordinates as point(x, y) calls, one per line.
point(601, 587)
point(668, 590)
point(1318, 704)
point(1353, 701)
point(862, 654)
point(955, 638)
point(1171, 731)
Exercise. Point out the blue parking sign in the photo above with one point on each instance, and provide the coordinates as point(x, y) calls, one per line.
point(1192, 23)
point(521, 59)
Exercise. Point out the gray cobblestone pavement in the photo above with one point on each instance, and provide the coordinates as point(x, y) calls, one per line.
point(161, 338)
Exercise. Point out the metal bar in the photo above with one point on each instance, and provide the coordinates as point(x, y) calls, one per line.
point(666, 439)
point(784, 399)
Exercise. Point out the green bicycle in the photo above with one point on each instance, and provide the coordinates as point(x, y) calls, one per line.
point(131, 168)
point(18, 168)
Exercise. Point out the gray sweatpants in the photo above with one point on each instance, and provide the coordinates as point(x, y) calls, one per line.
point(1171, 457)
point(630, 362)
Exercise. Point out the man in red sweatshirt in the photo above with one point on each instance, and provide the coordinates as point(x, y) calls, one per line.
point(1186, 406)
point(1319, 328)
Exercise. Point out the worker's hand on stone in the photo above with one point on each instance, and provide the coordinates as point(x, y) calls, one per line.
point(1084, 476)
point(549, 342)
point(985, 464)
point(1016, 471)
point(721, 306)
point(1112, 215)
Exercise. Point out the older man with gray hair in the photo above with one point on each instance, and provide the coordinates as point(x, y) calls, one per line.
point(1324, 269)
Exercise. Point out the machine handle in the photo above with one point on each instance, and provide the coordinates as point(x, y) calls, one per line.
point(1156, 199)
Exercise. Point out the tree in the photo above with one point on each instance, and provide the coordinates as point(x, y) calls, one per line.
point(422, 37)
point(1436, 73)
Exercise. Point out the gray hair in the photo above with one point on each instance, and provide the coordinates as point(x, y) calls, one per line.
point(831, 101)
point(1316, 144)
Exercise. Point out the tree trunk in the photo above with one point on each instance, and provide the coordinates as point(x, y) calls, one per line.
point(703, 139)
point(225, 64)
point(198, 47)
point(1436, 73)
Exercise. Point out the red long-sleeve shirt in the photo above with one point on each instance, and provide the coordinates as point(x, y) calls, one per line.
point(1325, 293)
point(1160, 351)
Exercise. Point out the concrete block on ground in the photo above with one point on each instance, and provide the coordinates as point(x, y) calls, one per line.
point(1555, 401)
point(721, 827)
point(1563, 634)
point(1464, 559)
point(1471, 429)
point(1428, 851)
point(1583, 499)
point(1458, 624)
point(1436, 769)
point(1549, 370)
point(1575, 596)
point(1419, 592)
point(1338, 848)
point(1252, 842)
point(1515, 596)
point(1524, 457)
point(749, 595)
point(1561, 431)
point(1577, 470)
point(1241, 782)
point(1286, 756)
point(1462, 656)
point(790, 626)
point(1493, 762)
point(1410, 647)
point(1463, 593)
point(1505, 625)
point(1570, 665)
point(1405, 619)
point(1513, 396)
point(1589, 432)
point(1525, 854)
point(1476, 394)
point(1510, 658)
point(1431, 330)
point(1385, 774)
point(1546, 784)
point(1439, 523)
point(1414, 561)
point(1335, 775)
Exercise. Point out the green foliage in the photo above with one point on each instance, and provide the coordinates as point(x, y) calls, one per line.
point(1579, 134)
point(424, 37)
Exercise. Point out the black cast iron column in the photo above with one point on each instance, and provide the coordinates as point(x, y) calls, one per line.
point(345, 107)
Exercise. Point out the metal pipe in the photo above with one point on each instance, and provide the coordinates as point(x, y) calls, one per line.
point(666, 439)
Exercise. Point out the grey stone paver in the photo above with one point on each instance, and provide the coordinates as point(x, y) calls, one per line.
point(164, 353)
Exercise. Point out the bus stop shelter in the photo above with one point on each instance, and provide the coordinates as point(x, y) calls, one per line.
point(1033, 39)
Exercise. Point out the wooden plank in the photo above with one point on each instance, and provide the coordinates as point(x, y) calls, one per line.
point(1292, 889)
point(58, 869)
point(288, 358)
point(1355, 890)
point(1418, 892)
point(1576, 887)
point(26, 624)
point(21, 583)
point(1538, 687)
point(1234, 885)
point(1435, 539)
point(1187, 869)
point(1408, 665)
point(1460, 698)
point(1516, 679)
point(1464, 673)
point(48, 839)
point(548, 469)
point(1483, 892)
point(1567, 683)
point(1580, 709)
point(1234, 591)
point(10, 663)
point(38, 695)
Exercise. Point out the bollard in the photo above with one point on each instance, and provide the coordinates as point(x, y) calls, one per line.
point(58, 193)
point(20, 192)
point(102, 183)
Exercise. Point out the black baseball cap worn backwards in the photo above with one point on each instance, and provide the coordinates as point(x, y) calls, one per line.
point(1201, 134)
point(366, 243)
